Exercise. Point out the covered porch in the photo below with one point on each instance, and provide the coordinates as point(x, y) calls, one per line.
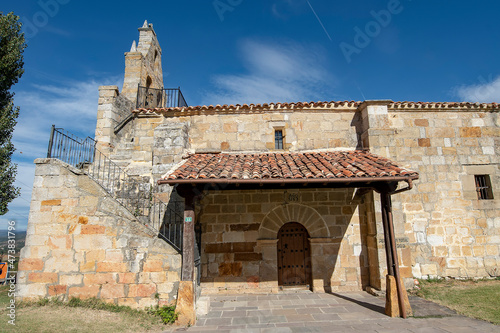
point(273, 221)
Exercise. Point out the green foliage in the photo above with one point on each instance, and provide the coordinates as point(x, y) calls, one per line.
point(166, 313)
point(97, 304)
point(474, 298)
point(11, 68)
point(436, 279)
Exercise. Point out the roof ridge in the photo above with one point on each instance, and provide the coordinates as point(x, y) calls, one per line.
point(325, 105)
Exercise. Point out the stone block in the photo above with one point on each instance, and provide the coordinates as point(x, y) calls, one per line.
point(243, 246)
point(71, 279)
point(247, 256)
point(144, 278)
point(67, 218)
point(218, 248)
point(147, 302)
point(421, 122)
point(57, 290)
point(230, 269)
point(32, 290)
point(165, 288)
point(95, 255)
point(59, 242)
point(30, 264)
point(470, 132)
point(91, 242)
point(42, 277)
point(127, 278)
point(38, 252)
point(244, 227)
point(99, 278)
point(153, 266)
point(392, 308)
point(87, 266)
point(114, 255)
point(61, 264)
point(112, 291)
point(50, 203)
point(158, 277)
point(141, 290)
point(128, 301)
point(425, 142)
point(93, 229)
point(185, 304)
point(173, 276)
point(114, 267)
point(83, 292)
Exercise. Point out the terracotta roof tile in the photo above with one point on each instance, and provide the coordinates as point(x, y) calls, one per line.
point(288, 165)
point(325, 105)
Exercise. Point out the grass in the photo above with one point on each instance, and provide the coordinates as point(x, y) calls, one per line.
point(473, 298)
point(91, 315)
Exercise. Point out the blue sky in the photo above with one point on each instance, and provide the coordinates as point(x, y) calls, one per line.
point(243, 51)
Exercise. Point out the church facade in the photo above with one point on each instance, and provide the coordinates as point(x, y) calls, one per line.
point(324, 196)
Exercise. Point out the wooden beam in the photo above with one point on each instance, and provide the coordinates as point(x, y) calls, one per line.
point(397, 276)
point(188, 235)
point(387, 237)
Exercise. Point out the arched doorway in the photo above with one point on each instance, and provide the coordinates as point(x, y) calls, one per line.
point(294, 256)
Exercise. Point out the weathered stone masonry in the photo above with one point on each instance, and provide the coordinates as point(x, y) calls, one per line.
point(82, 243)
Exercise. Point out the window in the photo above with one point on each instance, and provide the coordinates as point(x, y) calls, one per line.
point(483, 187)
point(278, 139)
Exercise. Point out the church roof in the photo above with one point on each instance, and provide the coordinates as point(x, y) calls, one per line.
point(287, 167)
point(325, 105)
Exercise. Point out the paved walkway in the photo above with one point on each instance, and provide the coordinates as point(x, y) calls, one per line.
point(339, 312)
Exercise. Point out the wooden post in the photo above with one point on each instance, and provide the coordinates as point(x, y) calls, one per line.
point(188, 239)
point(387, 236)
point(395, 264)
point(391, 253)
point(185, 307)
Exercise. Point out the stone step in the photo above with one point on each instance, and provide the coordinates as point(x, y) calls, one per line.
point(118, 156)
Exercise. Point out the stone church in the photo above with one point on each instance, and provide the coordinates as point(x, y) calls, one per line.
point(169, 201)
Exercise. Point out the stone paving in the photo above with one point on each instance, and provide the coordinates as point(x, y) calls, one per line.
point(338, 312)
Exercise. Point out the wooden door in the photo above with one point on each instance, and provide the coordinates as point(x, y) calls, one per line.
point(294, 255)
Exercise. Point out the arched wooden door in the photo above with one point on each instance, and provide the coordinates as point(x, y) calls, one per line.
point(294, 255)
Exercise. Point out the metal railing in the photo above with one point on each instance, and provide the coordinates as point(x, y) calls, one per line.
point(159, 98)
point(134, 193)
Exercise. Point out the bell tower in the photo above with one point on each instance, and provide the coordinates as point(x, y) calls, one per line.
point(143, 64)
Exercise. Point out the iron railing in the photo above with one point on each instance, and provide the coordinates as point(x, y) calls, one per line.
point(134, 193)
point(159, 98)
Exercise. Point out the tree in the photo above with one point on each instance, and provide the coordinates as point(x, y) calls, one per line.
point(11, 68)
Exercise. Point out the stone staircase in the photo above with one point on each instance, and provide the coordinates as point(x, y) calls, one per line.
point(135, 193)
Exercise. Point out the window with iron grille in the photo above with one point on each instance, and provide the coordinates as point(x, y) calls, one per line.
point(483, 187)
point(278, 139)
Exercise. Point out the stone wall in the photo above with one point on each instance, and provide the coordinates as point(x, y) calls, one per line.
point(154, 143)
point(82, 243)
point(441, 228)
point(454, 233)
point(239, 237)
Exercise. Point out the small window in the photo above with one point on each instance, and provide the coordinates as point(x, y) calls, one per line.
point(483, 187)
point(278, 139)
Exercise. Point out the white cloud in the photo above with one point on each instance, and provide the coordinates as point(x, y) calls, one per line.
point(486, 91)
point(286, 72)
point(72, 106)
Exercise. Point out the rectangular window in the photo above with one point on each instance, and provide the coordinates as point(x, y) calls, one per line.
point(278, 139)
point(483, 187)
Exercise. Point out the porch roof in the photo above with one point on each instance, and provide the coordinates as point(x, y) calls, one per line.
point(287, 168)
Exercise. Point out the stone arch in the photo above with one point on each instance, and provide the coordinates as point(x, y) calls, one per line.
point(305, 215)
point(149, 82)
